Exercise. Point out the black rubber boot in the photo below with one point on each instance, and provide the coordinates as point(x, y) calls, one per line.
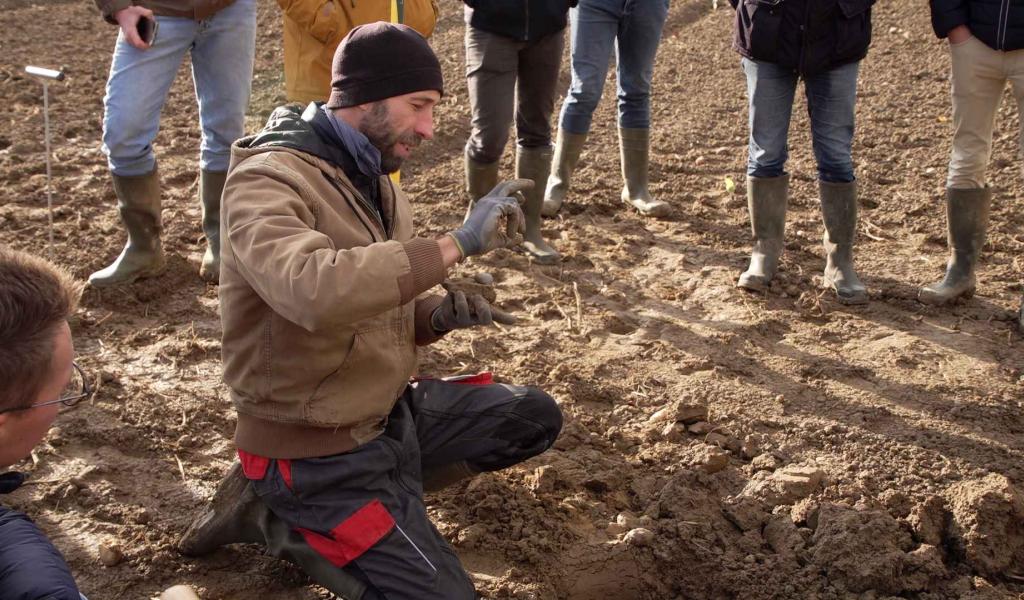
point(138, 201)
point(966, 222)
point(233, 517)
point(767, 198)
point(535, 164)
point(839, 212)
point(568, 147)
point(635, 154)
point(211, 187)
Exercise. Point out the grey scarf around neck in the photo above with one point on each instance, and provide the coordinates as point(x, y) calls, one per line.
point(366, 155)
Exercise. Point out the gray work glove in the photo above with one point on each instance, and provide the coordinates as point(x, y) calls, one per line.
point(459, 311)
point(483, 230)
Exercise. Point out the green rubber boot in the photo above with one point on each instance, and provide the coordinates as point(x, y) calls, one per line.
point(635, 152)
point(535, 164)
point(568, 147)
point(138, 201)
point(839, 212)
point(966, 221)
point(211, 187)
point(767, 198)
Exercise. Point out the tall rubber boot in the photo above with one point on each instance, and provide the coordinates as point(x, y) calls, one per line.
point(233, 517)
point(211, 187)
point(480, 179)
point(568, 147)
point(138, 201)
point(839, 212)
point(767, 198)
point(535, 164)
point(438, 478)
point(966, 221)
point(635, 151)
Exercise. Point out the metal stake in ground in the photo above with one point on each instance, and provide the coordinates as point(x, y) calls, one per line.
point(46, 76)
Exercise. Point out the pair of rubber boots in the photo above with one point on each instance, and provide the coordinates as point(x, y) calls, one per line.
point(634, 157)
point(138, 201)
point(767, 198)
point(236, 515)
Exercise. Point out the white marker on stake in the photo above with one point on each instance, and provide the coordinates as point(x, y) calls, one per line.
point(46, 76)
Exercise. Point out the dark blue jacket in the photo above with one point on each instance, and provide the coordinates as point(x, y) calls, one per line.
point(806, 36)
point(523, 20)
point(997, 23)
point(30, 567)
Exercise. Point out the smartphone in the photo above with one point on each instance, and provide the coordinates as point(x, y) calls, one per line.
point(147, 29)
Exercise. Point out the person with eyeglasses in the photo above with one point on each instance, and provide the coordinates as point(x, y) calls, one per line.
point(40, 378)
point(819, 43)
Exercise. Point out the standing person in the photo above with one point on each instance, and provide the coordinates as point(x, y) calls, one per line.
point(39, 375)
point(314, 28)
point(632, 28)
point(513, 53)
point(220, 38)
point(986, 44)
point(322, 309)
point(822, 43)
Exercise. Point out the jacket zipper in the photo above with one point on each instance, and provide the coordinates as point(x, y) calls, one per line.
point(394, 203)
point(1004, 18)
point(526, 12)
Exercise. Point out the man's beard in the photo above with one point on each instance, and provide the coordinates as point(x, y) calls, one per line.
point(378, 130)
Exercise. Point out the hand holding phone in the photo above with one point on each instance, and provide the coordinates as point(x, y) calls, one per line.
point(138, 26)
point(146, 28)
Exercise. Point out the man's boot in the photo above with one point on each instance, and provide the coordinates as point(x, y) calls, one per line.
point(438, 478)
point(138, 201)
point(635, 151)
point(766, 200)
point(966, 222)
point(839, 212)
point(480, 179)
point(233, 517)
point(535, 164)
point(568, 147)
point(211, 187)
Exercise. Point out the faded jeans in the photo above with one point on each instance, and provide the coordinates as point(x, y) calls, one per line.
point(831, 99)
point(632, 28)
point(221, 49)
point(979, 78)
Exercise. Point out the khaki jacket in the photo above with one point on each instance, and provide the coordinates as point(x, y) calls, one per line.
point(314, 28)
point(192, 9)
point(317, 298)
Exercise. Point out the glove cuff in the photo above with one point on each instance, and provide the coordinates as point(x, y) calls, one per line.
point(466, 241)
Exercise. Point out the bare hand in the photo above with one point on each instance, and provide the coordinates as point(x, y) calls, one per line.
point(128, 19)
point(959, 34)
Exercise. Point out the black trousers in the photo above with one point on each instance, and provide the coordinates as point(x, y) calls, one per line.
point(362, 512)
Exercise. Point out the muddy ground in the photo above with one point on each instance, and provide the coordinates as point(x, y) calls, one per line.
point(718, 444)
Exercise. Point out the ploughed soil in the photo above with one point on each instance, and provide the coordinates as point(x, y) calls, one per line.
point(718, 444)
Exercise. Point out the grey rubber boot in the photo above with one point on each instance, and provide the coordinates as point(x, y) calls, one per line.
point(635, 152)
point(535, 164)
point(211, 187)
point(767, 198)
point(839, 212)
point(480, 178)
point(233, 517)
point(568, 147)
point(966, 222)
point(138, 201)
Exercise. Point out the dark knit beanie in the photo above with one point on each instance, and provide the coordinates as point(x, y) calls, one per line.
point(381, 60)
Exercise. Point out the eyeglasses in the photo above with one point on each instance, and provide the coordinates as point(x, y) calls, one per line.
point(77, 389)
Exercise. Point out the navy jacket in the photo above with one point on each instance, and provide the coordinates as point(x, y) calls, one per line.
point(30, 567)
point(997, 23)
point(523, 20)
point(807, 36)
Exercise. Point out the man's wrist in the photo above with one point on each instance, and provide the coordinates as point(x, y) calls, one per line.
point(451, 249)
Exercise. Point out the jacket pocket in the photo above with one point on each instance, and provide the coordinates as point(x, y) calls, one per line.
point(853, 29)
point(325, 22)
point(759, 25)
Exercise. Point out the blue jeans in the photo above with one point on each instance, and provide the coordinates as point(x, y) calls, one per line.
point(221, 48)
point(831, 97)
point(633, 29)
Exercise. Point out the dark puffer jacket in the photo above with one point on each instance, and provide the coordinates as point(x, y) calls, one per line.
point(807, 36)
point(998, 23)
point(30, 567)
point(523, 20)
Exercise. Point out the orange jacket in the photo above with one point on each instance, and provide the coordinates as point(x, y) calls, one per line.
point(314, 28)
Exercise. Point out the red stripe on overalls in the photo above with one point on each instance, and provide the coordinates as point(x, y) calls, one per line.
point(255, 467)
point(353, 536)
